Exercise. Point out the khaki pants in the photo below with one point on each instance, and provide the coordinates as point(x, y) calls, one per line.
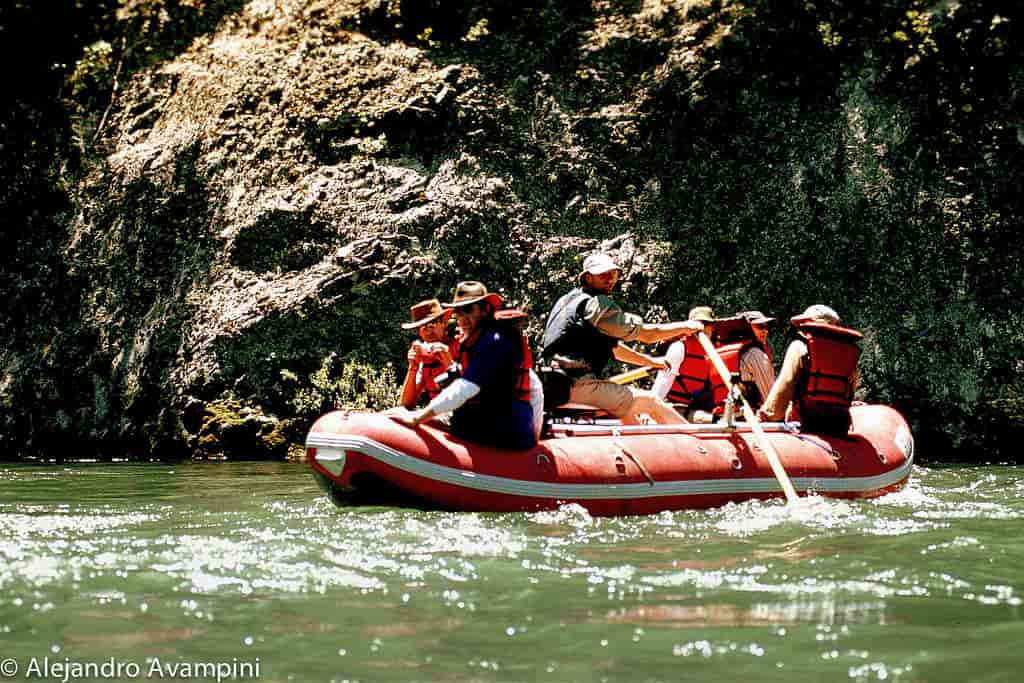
point(616, 399)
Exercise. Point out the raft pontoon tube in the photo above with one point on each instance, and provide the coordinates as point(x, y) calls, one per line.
point(369, 459)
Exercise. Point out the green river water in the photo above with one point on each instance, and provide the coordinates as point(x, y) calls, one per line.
point(246, 572)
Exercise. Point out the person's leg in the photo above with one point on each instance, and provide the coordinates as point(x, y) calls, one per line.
point(614, 399)
point(659, 411)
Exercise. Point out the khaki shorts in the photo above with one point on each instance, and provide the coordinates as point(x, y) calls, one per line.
point(616, 399)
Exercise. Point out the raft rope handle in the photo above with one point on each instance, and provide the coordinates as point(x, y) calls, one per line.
point(617, 434)
point(823, 445)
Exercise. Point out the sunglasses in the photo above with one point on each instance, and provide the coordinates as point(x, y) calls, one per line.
point(465, 308)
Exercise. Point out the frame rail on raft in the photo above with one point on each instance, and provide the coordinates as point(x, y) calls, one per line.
point(610, 429)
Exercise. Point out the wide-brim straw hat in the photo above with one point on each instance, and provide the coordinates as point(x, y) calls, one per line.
point(702, 314)
point(425, 312)
point(818, 313)
point(597, 264)
point(469, 292)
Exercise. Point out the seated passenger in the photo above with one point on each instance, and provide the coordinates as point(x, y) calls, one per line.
point(818, 375)
point(686, 383)
point(490, 402)
point(742, 344)
point(586, 328)
point(430, 355)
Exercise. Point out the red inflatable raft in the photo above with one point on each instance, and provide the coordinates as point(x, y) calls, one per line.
point(367, 458)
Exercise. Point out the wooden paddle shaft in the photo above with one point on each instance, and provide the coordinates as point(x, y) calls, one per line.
point(748, 413)
point(631, 376)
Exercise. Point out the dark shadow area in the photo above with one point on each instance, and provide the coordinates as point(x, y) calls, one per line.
point(58, 409)
point(282, 240)
point(369, 489)
point(101, 365)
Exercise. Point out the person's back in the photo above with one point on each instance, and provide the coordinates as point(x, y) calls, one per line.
point(691, 386)
point(825, 392)
point(819, 374)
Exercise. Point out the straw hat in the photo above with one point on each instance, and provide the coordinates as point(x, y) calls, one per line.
point(470, 292)
point(596, 264)
point(424, 312)
point(817, 313)
point(702, 313)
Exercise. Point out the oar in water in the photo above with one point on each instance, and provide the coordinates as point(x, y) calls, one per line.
point(751, 417)
point(631, 376)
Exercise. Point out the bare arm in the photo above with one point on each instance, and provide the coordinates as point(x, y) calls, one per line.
point(610, 319)
point(650, 333)
point(410, 387)
point(778, 399)
point(634, 357)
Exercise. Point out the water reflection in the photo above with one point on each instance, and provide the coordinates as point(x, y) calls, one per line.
point(251, 558)
point(805, 611)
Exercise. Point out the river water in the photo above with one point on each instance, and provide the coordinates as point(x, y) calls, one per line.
point(194, 571)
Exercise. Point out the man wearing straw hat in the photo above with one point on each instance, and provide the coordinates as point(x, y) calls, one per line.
point(490, 402)
point(430, 355)
point(585, 329)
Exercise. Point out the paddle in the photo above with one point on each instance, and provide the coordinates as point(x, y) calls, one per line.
point(751, 417)
point(631, 376)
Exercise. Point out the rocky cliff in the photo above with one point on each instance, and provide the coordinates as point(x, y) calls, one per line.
point(243, 199)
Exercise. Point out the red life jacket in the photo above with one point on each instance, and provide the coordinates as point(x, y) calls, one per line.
point(521, 389)
point(693, 375)
point(824, 395)
point(430, 370)
point(730, 354)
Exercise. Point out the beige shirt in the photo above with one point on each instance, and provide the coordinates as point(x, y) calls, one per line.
point(609, 318)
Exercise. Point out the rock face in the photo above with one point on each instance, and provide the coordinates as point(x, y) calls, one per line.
point(259, 208)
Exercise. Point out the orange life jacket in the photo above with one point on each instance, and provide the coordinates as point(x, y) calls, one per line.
point(730, 354)
point(692, 379)
point(824, 394)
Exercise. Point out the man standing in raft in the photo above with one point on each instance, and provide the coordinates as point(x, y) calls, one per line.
point(490, 402)
point(585, 329)
point(430, 355)
point(818, 375)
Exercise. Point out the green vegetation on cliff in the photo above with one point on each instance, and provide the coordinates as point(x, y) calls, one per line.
point(215, 213)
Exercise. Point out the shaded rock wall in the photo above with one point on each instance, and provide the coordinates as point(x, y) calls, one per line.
point(254, 193)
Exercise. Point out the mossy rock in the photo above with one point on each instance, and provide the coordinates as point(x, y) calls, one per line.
point(232, 429)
